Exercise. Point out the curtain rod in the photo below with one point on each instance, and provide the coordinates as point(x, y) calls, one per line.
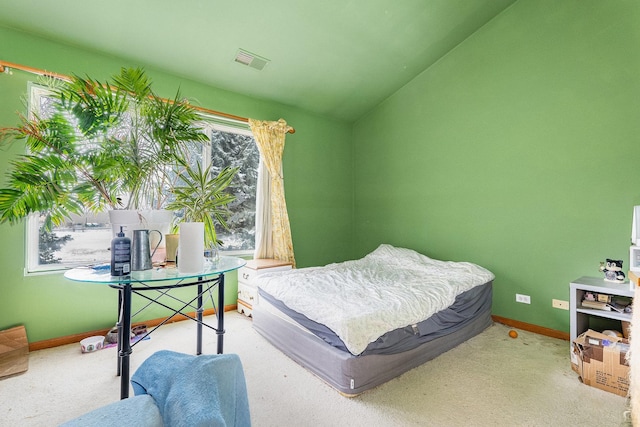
point(32, 70)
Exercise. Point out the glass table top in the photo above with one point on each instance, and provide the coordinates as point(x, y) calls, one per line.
point(102, 273)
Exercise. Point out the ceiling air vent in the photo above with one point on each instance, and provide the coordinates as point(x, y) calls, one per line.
point(251, 59)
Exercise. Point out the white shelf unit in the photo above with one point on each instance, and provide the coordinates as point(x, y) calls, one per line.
point(579, 321)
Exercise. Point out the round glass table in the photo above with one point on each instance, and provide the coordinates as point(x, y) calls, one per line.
point(160, 281)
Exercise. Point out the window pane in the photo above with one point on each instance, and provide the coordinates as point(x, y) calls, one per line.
point(83, 240)
point(238, 150)
point(86, 239)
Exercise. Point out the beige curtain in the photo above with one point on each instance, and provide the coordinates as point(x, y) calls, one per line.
point(270, 138)
point(264, 236)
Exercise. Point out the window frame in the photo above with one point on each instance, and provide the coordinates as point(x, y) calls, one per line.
point(32, 227)
point(230, 126)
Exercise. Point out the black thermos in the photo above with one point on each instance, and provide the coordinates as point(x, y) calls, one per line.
point(120, 255)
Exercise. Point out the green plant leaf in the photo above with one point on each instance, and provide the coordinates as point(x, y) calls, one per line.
point(113, 144)
point(202, 197)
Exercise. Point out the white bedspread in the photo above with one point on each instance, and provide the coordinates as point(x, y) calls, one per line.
point(363, 299)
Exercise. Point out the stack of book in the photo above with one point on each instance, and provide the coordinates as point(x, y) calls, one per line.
point(604, 305)
point(599, 305)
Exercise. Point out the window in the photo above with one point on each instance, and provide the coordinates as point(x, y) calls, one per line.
point(236, 148)
point(86, 239)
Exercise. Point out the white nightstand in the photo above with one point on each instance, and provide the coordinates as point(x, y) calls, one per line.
point(247, 290)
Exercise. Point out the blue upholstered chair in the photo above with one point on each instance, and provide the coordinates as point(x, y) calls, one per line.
point(175, 389)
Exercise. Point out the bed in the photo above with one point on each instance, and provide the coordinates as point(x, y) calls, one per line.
point(360, 323)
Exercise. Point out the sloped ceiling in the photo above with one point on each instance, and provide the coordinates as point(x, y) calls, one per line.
point(338, 58)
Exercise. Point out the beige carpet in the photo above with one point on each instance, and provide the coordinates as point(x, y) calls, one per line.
point(491, 380)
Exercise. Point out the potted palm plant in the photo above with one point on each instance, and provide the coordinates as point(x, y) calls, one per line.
point(201, 196)
point(113, 145)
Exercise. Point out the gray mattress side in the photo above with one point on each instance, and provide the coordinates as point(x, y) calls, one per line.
point(351, 374)
point(464, 309)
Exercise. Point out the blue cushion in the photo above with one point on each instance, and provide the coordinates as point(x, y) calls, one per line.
point(135, 411)
point(205, 390)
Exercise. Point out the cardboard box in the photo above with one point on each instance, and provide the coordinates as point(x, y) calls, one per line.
point(626, 329)
point(600, 360)
point(14, 351)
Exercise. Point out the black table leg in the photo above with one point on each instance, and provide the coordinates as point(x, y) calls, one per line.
point(124, 341)
point(199, 311)
point(120, 334)
point(220, 314)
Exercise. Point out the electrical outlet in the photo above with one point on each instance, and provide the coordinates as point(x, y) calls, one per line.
point(558, 303)
point(525, 299)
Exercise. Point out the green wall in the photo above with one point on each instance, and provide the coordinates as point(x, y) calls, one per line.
point(518, 150)
point(317, 170)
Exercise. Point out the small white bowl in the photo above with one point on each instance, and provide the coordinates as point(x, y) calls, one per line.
point(91, 344)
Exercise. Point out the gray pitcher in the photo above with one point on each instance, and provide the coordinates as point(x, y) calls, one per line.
point(141, 250)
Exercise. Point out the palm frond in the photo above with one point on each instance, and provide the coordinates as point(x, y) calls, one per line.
point(203, 198)
point(100, 143)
